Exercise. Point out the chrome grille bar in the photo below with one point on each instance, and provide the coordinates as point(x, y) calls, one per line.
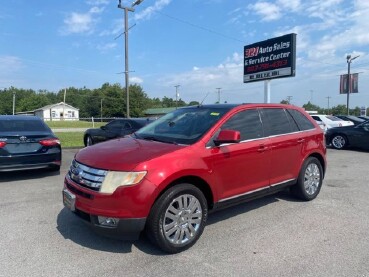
point(86, 176)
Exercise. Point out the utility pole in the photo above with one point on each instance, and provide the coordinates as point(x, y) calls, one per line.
point(218, 94)
point(349, 60)
point(101, 109)
point(126, 71)
point(13, 102)
point(289, 99)
point(328, 97)
point(65, 92)
point(177, 95)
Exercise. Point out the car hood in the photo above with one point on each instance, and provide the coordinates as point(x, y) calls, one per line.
point(123, 154)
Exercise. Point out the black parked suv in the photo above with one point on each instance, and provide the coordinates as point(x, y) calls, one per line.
point(114, 129)
point(26, 142)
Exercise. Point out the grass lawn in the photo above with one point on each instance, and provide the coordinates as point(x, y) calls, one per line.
point(70, 139)
point(74, 124)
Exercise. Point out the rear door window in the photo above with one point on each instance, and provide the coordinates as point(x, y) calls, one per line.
point(277, 122)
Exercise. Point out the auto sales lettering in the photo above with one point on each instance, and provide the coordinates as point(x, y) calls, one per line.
point(273, 58)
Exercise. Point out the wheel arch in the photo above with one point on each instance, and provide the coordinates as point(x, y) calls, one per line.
point(196, 181)
point(320, 159)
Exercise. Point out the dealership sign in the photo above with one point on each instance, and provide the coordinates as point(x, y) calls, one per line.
point(270, 59)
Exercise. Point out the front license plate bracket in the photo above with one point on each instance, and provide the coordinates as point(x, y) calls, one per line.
point(69, 200)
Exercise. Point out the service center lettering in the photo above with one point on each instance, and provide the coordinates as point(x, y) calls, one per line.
point(255, 51)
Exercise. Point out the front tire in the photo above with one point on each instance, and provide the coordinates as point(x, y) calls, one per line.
point(310, 180)
point(88, 141)
point(178, 218)
point(339, 141)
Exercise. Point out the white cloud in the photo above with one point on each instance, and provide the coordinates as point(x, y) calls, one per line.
point(293, 5)
point(107, 47)
point(9, 64)
point(147, 13)
point(136, 80)
point(96, 10)
point(77, 23)
point(225, 74)
point(268, 11)
point(97, 2)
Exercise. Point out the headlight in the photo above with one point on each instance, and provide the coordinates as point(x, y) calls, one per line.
point(115, 179)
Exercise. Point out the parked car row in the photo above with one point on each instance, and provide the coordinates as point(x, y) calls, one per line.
point(331, 121)
point(165, 177)
point(349, 136)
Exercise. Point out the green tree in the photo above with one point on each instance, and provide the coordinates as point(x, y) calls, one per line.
point(339, 109)
point(194, 103)
point(311, 107)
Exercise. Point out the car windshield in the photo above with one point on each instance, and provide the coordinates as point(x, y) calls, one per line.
point(182, 126)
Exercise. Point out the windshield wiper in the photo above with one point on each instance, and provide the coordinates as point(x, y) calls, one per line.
point(152, 138)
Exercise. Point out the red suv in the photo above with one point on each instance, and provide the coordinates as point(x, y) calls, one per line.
point(167, 176)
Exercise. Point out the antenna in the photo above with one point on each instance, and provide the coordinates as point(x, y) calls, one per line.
point(204, 99)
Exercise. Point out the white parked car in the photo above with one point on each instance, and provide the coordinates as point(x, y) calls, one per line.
point(331, 121)
point(322, 125)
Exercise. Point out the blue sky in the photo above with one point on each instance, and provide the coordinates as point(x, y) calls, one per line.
point(195, 44)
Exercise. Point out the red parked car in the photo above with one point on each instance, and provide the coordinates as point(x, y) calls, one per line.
point(167, 176)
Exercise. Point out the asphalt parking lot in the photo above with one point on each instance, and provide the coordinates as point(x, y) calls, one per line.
point(273, 236)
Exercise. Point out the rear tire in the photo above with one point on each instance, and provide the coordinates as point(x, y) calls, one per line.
point(339, 141)
point(177, 218)
point(310, 180)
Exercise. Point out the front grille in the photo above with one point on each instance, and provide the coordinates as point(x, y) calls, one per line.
point(85, 176)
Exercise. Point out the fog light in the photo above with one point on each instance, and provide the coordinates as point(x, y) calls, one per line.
point(107, 221)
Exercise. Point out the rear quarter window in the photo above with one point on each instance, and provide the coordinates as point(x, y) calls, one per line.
point(302, 121)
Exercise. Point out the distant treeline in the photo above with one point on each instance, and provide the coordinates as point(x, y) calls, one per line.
point(112, 99)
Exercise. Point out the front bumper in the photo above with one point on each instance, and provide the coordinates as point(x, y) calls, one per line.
point(129, 208)
point(125, 229)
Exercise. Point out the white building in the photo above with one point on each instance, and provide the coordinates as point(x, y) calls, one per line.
point(59, 111)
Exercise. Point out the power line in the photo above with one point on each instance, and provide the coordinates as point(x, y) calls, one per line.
point(199, 27)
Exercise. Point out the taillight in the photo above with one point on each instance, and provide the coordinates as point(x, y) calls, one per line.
point(2, 144)
point(49, 142)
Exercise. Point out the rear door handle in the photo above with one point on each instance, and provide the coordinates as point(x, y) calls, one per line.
point(262, 148)
point(300, 140)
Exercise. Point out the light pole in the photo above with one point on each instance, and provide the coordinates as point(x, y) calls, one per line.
point(126, 9)
point(218, 94)
point(328, 97)
point(177, 86)
point(349, 60)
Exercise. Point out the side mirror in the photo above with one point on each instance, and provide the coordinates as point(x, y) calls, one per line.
point(227, 136)
point(103, 127)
